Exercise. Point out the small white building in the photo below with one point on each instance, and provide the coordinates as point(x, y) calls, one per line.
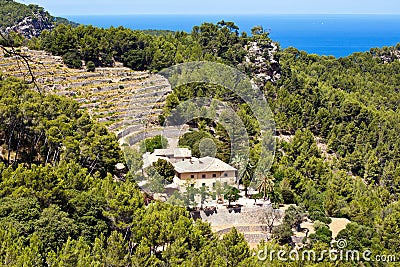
point(172, 155)
point(203, 172)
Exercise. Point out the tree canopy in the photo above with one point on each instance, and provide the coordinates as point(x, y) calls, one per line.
point(337, 155)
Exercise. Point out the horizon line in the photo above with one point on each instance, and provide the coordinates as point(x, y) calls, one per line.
point(226, 14)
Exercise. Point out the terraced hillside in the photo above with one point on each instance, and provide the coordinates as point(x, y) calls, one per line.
point(121, 98)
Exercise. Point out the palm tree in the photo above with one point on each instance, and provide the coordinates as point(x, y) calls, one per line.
point(246, 177)
point(266, 185)
point(238, 162)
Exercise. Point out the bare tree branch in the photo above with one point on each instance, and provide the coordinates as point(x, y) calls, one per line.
point(9, 48)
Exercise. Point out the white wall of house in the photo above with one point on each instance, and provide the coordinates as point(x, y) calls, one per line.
point(208, 182)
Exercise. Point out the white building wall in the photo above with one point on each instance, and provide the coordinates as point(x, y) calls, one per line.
point(198, 183)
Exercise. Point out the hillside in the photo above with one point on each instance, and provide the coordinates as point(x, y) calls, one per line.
point(117, 96)
point(63, 200)
point(27, 20)
point(115, 51)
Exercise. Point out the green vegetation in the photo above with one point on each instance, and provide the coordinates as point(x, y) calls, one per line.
point(60, 205)
point(283, 234)
point(214, 129)
point(322, 233)
point(341, 155)
point(37, 129)
point(192, 141)
point(146, 50)
point(72, 60)
point(294, 216)
point(231, 194)
point(158, 32)
point(12, 12)
point(165, 169)
point(266, 185)
point(337, 156)
point(156, 142)
point(90, 66)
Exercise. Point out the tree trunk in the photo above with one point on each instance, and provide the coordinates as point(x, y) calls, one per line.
point(16, 151)
point(35, 142)
point(47, 157)
point(55, 156)
point(94, 163)
point(9, 147)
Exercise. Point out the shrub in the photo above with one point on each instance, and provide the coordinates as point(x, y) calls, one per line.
point(165, 169)
point(155, 142)
point(283, 233)
point(90, 66)
point(72, 60)
point(319, 216)
point(287, 195)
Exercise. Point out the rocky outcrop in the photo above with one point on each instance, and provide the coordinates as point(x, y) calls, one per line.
point(32, 26)
point(387, 54)
point(390, 56)
point(261, 61)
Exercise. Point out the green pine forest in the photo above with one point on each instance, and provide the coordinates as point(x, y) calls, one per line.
point(60, 205)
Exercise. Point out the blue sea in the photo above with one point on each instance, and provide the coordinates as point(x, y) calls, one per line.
point(337, 35)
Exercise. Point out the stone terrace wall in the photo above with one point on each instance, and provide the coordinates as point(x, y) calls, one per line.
point(224, 217)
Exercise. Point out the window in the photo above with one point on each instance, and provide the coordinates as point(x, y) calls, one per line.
point(214, 175)
point(192, 185)
point(225, 174)
point(192, 176)
point(203, 176)
point(214, 185)
point(203, 184)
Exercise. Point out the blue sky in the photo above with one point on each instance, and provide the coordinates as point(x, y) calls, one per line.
point(117, 7)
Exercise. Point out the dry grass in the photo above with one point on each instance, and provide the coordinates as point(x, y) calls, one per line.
point(337, 225)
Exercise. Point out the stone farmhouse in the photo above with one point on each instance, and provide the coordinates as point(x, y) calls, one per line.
point(205, 171)
point(196, 172)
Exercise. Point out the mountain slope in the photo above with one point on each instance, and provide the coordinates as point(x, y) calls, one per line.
point(120, 97)
point(28, 20)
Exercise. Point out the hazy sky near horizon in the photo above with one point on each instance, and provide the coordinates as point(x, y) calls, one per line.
point(119, 7)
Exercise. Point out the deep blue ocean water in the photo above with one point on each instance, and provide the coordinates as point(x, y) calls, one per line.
point(337, 35)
